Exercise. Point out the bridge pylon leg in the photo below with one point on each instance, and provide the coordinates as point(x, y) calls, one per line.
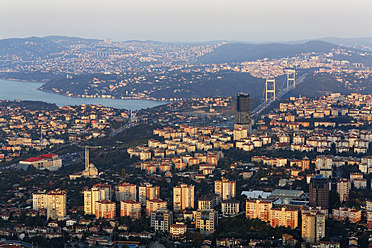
point(270, 89)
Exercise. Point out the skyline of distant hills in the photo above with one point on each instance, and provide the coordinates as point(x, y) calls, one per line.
point(76, 66)
point(334, 40)
point(240, 52)
point(236, 52)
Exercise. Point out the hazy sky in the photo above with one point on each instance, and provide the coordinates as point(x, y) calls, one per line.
point(187, 20)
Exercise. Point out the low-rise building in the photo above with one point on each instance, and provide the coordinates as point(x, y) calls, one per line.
point(342, 214)
point(230, 208)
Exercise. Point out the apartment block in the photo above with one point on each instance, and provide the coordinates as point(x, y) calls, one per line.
point(225, 189)
point(313, 227)
point(230, 208)
point(318, 191)
point(183, 197)
point(155, 204)
point(342, 214)
point(284, 217)
point(206, 221)
point(161, 220)
point(343, 189)
point(96, 193)
point(105, 209)
point(54, 202)
point(130, 208)
point(126, 191)
point(258, 209)
point(177, 231)
point(148, 192)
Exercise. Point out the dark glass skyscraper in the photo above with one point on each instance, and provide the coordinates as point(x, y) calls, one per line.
point(243, 109)
point(318, 191)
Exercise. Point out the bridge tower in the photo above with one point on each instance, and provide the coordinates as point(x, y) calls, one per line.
point(270, 89)
point(291, 79)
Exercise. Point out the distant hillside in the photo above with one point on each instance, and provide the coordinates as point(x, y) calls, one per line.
point(36, 47)
point(367, 41)
point(321, 83)
point(239, 52)
point(177, 85)
point(30, 105)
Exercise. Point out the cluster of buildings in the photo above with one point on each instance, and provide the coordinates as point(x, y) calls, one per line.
point(89, 57)
point(105, 202)
point(157, 66)
point(333, 105)
point(189, 178)
point(287, 207)
point(183, 147)
point(25, 129)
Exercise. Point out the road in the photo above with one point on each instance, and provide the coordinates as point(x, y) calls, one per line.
point(16, 242)
point(120, 129)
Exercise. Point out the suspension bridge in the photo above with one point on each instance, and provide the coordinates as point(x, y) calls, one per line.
point(272, 93)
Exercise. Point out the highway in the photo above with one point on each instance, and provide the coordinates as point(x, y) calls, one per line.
point(120, 129)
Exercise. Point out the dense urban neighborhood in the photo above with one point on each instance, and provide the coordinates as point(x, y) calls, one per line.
point(252, 145)
point(299, 176)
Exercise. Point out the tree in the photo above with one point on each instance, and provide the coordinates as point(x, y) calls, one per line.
point(197, 239)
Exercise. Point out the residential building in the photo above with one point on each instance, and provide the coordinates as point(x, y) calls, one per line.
point(161, 219)
point(318, 191)
point(284, 217)
point(369, 220)
point(105, 209)
point(39, 200)
point(313, 227)
point(155, 204)
point(126, 191)
point(183, 197)
point(225, 189)
point(130, 208)
point(342, 214)
point(259, 209)
point(54, 202)
point(206, 221)
point(178, 230)
point(148, 192)
point(343, 189)
point(230, 208)
point(208, 201)
point(96, 193)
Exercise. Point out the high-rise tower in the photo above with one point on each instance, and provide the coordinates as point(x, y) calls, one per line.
point(243, 112)
point(318, 191)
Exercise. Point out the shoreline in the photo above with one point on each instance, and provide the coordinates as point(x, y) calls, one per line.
point(81, 97)
point(108, 98)
point(20, 80)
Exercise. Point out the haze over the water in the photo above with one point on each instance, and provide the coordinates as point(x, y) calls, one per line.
point(187, 20)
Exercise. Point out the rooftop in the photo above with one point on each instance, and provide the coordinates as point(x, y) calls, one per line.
point(286, 193)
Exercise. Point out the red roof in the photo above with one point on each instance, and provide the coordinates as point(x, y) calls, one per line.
point(33, 159)
point(105, 202)
point(49, 155)
point(130, 201)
